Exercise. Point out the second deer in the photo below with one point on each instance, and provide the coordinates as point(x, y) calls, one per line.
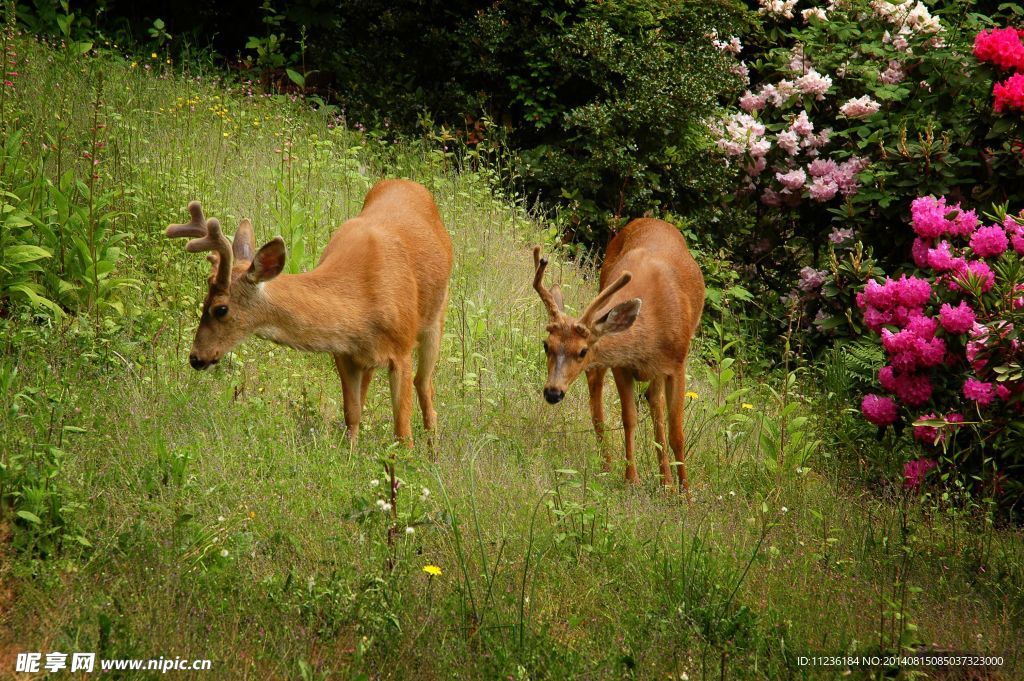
point(640, 326)
point(379, 290)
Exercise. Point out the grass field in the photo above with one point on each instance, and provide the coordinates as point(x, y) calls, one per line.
point(222, 515)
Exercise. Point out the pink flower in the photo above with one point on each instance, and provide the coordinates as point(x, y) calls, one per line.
point(879, 410)
point(802, 125)
point(979, 391)
point(750, 102)
point(921, 253)
point(1009, 94)
point(965, 222)
point(915, 471)
point(928, 216)
point(792, 180)
point(989, 242)
point(913, 389)
point(894, 74)
point(1000, 46)
point(788, 141)
point(859, 107)
point(822, 167)
point(814, 83)
point(957, 320)
point(926, 434)
point(941, 258)
point(974, 269)
point(823, 189)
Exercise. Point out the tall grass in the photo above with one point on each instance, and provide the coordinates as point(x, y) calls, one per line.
point(220, 515)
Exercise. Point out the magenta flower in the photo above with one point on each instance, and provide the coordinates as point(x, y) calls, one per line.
point(926, 434)
point(1001, 47)
point(915, 471)
point(988, 242)
point(979, 391)
point(879, 410)
point(957, 320)
point(928, 216)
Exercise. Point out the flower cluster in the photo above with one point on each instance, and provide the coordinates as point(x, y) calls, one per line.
point(950, 323)
point(859, 107)
point(778, 8)
point(1002, 47)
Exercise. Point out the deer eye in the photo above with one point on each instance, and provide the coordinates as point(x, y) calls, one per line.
point(583, 352)
point(220, 311)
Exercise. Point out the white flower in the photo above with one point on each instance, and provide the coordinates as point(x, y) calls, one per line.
point(816, 12)
point(859, 107)
point(374, 482)
point(224, 553)
point(383, 505)
point(784, 509)
point(220, 519)
point(410, 530)
point(779, 8)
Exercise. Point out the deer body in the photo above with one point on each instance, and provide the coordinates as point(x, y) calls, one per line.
point(379, 290)
point(640, 326)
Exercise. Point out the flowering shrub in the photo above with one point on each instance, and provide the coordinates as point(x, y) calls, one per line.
point(951, 339)
point(853, 110)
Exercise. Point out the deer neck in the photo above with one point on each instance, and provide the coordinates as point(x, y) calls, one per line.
point(304, 312)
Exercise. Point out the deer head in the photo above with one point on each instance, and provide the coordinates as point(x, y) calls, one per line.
point(233, 306)
point(574, 344)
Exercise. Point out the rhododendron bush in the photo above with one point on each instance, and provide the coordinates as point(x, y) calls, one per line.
point(855, 108)
point(951, 336)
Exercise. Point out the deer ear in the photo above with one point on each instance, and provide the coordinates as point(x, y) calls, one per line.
point(556, 293)
point(243, 244)
point(618, 319)
point(269, 261)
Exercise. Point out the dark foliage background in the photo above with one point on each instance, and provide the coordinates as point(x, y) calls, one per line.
point(602, 101)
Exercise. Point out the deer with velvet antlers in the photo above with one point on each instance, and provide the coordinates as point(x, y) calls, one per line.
point(640, 326)
point(379, 290)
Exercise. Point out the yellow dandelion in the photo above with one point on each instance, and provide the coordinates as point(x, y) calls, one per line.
point(153, 56)
point(226, 134)
point(432, 570)
point(747, 405)
point(692, 395)
point(135, 64)
point(252, 515)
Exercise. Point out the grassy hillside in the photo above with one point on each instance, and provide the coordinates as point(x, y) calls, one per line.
point(221, 514)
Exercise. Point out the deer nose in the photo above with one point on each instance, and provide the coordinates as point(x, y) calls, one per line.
point(553, 395)
point(197, 363)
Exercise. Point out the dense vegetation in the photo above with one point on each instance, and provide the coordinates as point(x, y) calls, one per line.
point(149, 510)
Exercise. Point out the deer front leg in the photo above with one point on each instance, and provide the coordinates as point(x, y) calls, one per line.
point(624, 383)
point(595, 384)
point(656, 400)
point(401, 397)
point(675, 387)
point(351, 382)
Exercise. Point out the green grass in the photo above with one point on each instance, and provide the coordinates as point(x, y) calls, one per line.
point(551, 568)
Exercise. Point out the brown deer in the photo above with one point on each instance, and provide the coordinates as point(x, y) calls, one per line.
point(648, 266)
point(380, 288)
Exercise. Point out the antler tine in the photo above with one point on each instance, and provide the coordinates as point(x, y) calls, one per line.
point(540, 264)
point(214, 240)
point(603, 297)
point(195, 228)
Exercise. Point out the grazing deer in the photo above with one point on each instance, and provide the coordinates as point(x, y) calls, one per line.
point(380, 288)
point(647, 266)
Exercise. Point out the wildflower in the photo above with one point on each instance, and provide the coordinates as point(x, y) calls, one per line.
point(823, 189)
point(746, 405)
point(779, 8)
point(784, 510)
point(893, 74)
point(692, 395)
point(135, 65)
point(153, 56)
point(432, 570)
point(252, 515)
point(224, 553)
point(410, 530)
point(374, 483)
point(859, 107)
point(879, 410)
point(384, 506)
point(425, 494)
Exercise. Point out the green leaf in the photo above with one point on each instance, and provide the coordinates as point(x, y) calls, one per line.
point(29, 516)
point(15, 255)
point(296, 77)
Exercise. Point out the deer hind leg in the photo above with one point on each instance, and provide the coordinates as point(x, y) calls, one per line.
point(595, 384)
point(401, 397)
point(675, 387)
point(352, 378)
point(429, 351)
point(365, 388)
point(624, 383)
point(656, 399)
